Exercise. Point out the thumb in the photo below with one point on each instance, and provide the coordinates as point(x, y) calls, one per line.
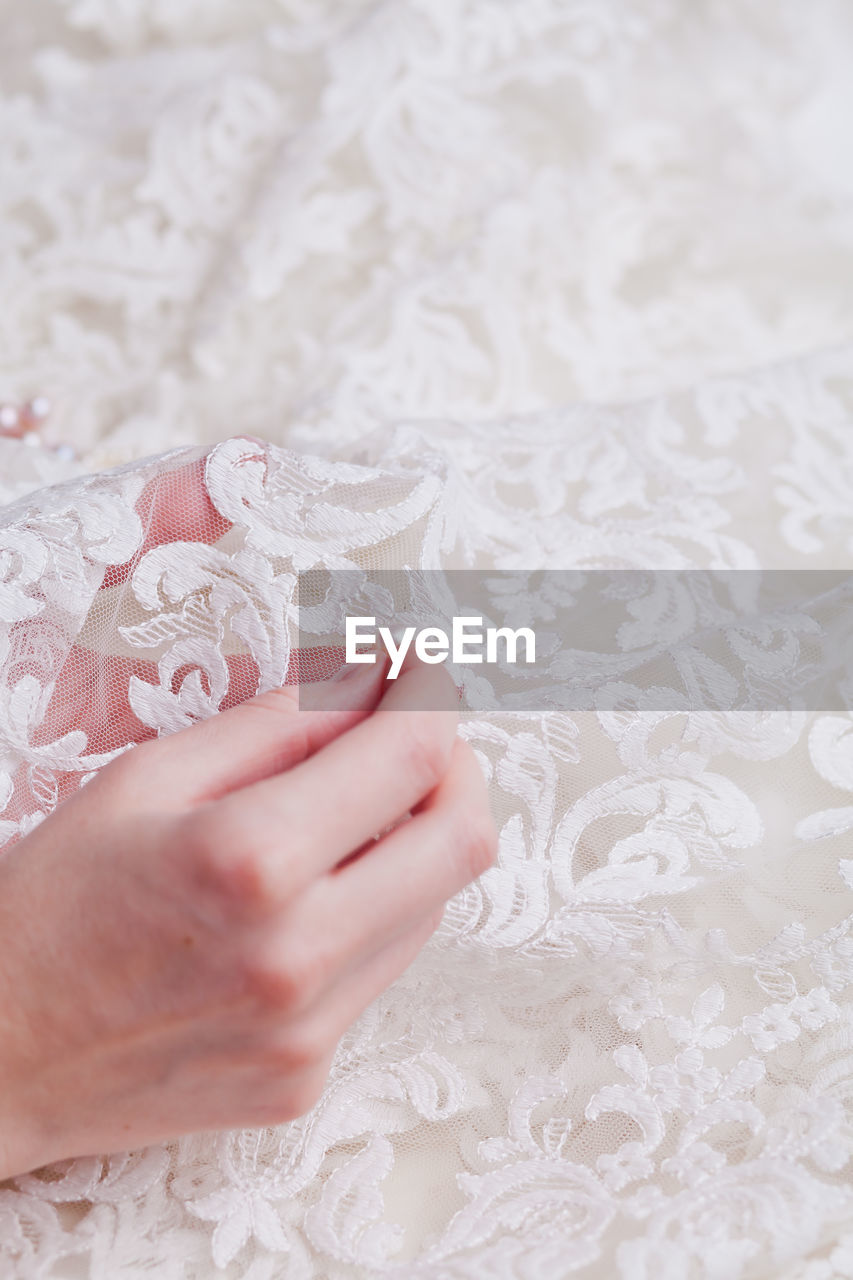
point(258, 739)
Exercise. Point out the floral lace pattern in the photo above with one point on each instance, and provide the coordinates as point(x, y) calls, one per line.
point(626, 1052)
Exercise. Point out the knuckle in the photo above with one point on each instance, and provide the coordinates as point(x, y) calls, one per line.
point(290, 983)
point(309, 1092)
point(302, 1050)
point(299, 1097)
point(425, 753)
point(228, 862)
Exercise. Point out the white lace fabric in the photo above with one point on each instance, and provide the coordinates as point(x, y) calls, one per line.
point(397, 241)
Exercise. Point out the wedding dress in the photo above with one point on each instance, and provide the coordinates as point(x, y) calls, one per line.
point(540, 284)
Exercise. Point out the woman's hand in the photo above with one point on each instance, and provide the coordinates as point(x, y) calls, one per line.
point(185, 940)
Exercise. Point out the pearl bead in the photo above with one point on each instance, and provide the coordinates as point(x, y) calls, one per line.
point(10, 420)
point(24, 423)
point(36, 411)
point(39, 408)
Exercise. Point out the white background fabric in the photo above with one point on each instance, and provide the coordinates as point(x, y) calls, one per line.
point(571, 283)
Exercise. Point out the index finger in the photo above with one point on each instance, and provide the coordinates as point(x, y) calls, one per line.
point(272, 838)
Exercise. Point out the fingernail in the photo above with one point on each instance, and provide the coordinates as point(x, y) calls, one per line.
point(356, 687)
point(347, 673)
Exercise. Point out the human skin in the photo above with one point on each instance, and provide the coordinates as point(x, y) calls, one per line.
point(186, 938)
